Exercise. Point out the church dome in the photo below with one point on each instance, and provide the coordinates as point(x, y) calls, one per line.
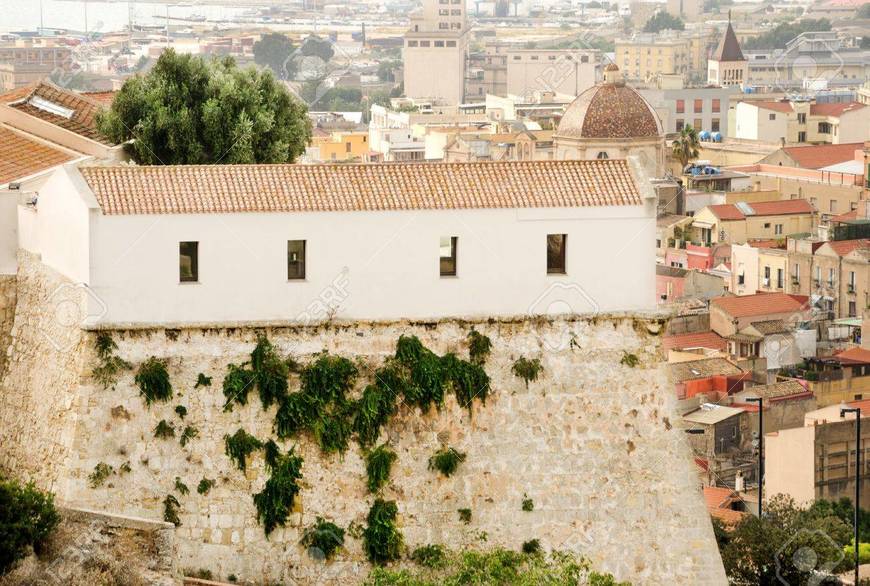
point(609, 110)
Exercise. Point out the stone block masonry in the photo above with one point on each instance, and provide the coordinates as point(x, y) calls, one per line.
point(590, 442)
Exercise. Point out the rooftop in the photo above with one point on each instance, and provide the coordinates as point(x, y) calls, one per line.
point(704, 368)
point(22, 157)
point(853, 356)
point(711, 413)
point(773, 391)
point(760, 304)
point(361, 187)
point(822, 155)
point(742, 210)
point(729, 47)
point(710, 340)
point(61, 107)
point(844, 247)
point(834, 109)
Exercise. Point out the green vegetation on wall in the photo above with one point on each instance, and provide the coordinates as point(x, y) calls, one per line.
point(382, 540)
point(239, 446)
point(27, 518)
point(275, 502)
point(379, 461)
point(153, 381)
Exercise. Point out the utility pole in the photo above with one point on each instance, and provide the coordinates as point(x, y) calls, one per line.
point(760, 401)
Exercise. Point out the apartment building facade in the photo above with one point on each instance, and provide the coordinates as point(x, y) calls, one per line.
point(435, 51)
point(802, 122)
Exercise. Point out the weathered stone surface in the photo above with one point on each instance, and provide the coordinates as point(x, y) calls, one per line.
point(590, 442)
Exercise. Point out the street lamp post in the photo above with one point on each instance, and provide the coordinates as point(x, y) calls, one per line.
point(760, 401)
point(857, 412)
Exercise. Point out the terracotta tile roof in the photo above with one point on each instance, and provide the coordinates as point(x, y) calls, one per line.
point(770, 326)
point(21, 157)
point(835, 109)
point(728, 211)
point(853, 215)
point(361, 187)
point(84, 110)
point(728, 517)
point(778, 390)
point(17, 94)
point(760, 304)
point(855, 355)
point(102, 97)
point(822, 155)
point(705, 368)
point(778, 244)
point(710, 340)
point(844, 247)
point(719, 496)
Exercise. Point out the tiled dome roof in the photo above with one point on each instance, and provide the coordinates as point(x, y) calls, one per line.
point(609, 110)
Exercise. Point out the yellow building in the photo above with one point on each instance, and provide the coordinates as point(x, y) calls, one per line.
point(741, 222)
point(341, 146)
point(646, 56)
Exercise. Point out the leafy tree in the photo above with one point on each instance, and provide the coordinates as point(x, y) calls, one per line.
point(27, 517)
point(864, 11)
point(782, 33)
point(274, 51)
point(385, 70)
point(686, 146)
point(661, 21)
point(788, 545)
point(187, 110)
point(317, 47)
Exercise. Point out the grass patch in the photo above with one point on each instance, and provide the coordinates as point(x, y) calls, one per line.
point(430, 556)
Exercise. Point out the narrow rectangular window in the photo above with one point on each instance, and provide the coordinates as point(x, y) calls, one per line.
point(188, 262)
point(556, 253)
point(295, 259)
point(447, 262)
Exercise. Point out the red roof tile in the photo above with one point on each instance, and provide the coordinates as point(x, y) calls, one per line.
point(719, 496)
point(710, 340)
point(853, 215)
point(844, 247)
point(727, 516)
point(822, 155)
point(82, 121)
point(853, 356)
point(760, 304)
point(21, 157)
point(835, 109)
point(779, 207)
point(361, 187)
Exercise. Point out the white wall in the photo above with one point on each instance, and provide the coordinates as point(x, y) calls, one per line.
point(377, 265)
point(8, 232)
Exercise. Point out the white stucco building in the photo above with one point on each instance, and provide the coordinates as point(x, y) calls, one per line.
point(241, 243)
point(435, 51)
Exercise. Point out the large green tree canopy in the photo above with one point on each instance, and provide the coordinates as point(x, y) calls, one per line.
point(188, 110)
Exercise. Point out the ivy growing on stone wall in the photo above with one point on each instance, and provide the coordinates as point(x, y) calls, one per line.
point(180, 487)
point(164, 430)
point(323, 539)
point(479, 347)
point(101, 472)
point(379, 461)
point(265, 370)
point(188, 434)
point(275, 502)
point(239, 446)
point(110, 366)
point(153, 381)
point(170, 510)
point(382, 540)
point(204, 486)
point(526, 369)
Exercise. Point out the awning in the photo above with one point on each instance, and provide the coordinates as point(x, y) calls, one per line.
point(700, 224)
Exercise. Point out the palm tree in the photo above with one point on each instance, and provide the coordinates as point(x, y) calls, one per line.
point(686, 146)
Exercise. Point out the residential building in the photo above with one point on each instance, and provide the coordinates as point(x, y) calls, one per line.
point(559, 71)
point(525, 145)
point(705, 379)
point(812, 60)
point(24, 160)
point(436, 50)
point(674, 284)
point(727, 67)
point(24, 63)
point(817, 460)
point(841, 276)
point(381, 241)
point(703, 108)
point(724, 449)
point(611, 121)
point(800, 122)
point(766, 330)
point(741, 222)
point(786, 403)
point(646, 56)
point(340, 146)
point(818, 156)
